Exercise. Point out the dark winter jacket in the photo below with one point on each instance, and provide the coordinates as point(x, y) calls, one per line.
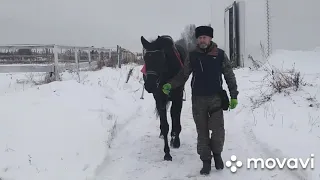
point(207, 67)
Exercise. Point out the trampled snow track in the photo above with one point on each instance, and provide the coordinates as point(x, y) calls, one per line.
point(117, 130)
point(137, 151)
point(266, 152)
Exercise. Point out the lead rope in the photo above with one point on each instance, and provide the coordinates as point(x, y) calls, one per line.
point(179, 58)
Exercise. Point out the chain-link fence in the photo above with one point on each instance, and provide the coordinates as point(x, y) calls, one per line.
point(54, 59)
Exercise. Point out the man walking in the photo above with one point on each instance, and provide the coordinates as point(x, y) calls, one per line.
point(207, 63)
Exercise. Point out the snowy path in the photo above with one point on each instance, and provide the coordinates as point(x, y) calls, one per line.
point(274, 130)
point(138, 152)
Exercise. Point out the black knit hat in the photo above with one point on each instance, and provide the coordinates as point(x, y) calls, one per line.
point(204, 31)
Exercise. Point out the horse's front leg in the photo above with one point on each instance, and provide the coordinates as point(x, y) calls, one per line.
point(175, 112)
point(164, 128)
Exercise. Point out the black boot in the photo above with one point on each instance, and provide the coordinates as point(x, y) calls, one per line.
point(218, 161)
point(206, 168)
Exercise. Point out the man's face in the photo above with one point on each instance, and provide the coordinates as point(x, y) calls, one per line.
point(204, 41)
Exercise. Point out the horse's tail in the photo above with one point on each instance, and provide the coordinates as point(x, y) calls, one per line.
point(157, 111)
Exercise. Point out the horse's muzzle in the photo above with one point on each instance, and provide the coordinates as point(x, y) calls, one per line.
point(150, 89)
point(151, 84)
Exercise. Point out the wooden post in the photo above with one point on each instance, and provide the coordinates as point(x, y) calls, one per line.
point(89, 56)
point(89, 59)
point(118, 55)
point(56, 63)
point(99, 60)
point(76, 59)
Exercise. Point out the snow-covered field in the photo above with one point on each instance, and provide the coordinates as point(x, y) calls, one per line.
point(98, 128)
point(62, 130)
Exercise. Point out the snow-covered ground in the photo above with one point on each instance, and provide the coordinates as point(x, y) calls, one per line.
point(288, 124)
point(62, 130)
point(98, 128)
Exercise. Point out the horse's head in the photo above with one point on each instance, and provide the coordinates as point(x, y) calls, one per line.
point(156, 60)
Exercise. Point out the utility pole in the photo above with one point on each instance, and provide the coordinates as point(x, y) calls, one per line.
point(269, 48)
point(211, 13)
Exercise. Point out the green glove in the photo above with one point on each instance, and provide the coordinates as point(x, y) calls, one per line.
point(233, 103)
point(166, 88)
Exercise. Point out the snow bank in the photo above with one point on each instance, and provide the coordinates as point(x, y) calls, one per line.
point(305, 61)
point(317, 49)
point(15, 82)
point(61, 130)
point(288, 123)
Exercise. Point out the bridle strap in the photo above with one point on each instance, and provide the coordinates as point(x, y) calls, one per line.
point(152, 50)
point(177, 55)
point(155, 74)
point(152, 73)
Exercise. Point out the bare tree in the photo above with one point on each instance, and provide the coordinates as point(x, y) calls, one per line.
point(188, 39)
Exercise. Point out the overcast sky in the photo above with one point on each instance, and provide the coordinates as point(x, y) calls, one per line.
point(102, 23)
point(106, 23)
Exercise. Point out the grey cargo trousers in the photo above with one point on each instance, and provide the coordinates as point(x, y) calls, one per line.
point(208, 115)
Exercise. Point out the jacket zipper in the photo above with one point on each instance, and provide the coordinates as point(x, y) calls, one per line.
point(194, 80)
point(201, 65)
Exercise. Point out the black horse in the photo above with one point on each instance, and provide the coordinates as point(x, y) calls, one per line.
point(163, 60)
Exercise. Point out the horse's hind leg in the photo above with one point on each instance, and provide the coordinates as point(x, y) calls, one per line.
point(164, 128)
point(175, 118)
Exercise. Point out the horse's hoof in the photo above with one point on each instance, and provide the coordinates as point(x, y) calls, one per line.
point(175, 142)
point(167, 157)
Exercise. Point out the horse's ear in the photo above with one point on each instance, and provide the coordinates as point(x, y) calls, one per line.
point(144, 42)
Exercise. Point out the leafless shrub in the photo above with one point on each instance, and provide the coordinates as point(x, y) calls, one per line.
point(45, 78)
point(112, 134)
point(8, 149)
point(78, 76)
point(278, 82)
point(284, 80)
point(256, 64)
point(257, 102)
point(263, 50)
point(313, 101)
point(113, 62)
point(100, 65)
point(313, 122)
point(5, 170)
